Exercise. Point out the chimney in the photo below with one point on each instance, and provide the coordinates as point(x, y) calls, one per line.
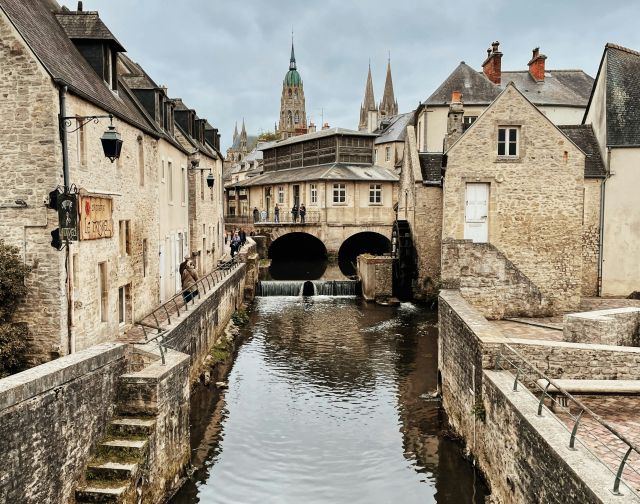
point(79, 6)
point(492, 66)
point(312, 127)
point(325, 126)
point(455, 126)
point(536, 65)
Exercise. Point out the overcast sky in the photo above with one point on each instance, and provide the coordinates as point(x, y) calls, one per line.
point(227, 59)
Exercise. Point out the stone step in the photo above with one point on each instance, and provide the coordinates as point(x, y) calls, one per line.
point(132, 426)
point(123, 449)
point(111, 471)
point(96, 492)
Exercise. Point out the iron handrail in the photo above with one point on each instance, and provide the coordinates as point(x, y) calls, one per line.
point(631, 446)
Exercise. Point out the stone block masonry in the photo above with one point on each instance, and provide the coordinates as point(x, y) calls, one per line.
point(376, 275)
point(50, 418)
point(610, 327)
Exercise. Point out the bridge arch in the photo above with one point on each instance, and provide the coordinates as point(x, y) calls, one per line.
point(365, 242)
point(297, 256)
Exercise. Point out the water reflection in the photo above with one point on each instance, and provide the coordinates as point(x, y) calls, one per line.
point(326, 405)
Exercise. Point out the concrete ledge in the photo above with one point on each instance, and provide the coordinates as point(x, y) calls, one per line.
point(37, 380)
point(473, 318)
point(621, 387)
point(573, 346)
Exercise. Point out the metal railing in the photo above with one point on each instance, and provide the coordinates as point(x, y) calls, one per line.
point(155, 323)
point(527, 375)
point(287, 218)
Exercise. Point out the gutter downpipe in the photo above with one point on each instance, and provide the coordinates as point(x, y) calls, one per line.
point(65, 175)
point(601, 244)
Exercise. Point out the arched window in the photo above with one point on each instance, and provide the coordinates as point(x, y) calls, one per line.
point(295, 94)
point(289, 118)
point(297, 117)
point(289, 92)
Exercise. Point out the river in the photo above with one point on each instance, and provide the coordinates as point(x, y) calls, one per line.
point(329, 401)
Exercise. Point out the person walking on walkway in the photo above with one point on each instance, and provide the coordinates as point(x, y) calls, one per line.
point(294, 213)
point(276, 214)
point(256, 214)
point(235, 244)
point(303, 212)
point(243, 237)
point(189, 277)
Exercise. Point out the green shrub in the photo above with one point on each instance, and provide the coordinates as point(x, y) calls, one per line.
point(240, 317)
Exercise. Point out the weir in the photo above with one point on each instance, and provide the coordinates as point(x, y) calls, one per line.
point(308, 288)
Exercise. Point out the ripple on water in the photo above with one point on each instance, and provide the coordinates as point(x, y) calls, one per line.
point(323, 406)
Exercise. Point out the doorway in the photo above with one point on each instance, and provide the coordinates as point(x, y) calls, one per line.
point(476, 213)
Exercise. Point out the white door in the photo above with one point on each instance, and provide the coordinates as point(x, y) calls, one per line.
point(476, 214)
point(162, 274)
point(177, 254)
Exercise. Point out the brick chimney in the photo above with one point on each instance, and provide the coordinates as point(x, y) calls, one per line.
point(536, 65)
point(492, 66)
point(455, 119)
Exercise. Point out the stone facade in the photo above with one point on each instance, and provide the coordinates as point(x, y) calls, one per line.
point(376, 276)
point(535, 202)
point(591, 237)
point(608, 327)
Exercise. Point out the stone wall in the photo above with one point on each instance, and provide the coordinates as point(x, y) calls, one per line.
point(618, 326)
point(591, 237)
point(490, 281)
point(535, 206)
point(376, 276)
point(50, 418)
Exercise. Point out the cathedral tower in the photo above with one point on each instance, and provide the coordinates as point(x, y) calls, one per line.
point(293, 117)
point(368, 105)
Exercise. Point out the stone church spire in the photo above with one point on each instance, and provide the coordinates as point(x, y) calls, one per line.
point(235, 133)
point(369, 103)
point(293, 116)
point(388, 105)
point(243, 139)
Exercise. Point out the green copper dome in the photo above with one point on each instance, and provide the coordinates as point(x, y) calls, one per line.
point(292, 78)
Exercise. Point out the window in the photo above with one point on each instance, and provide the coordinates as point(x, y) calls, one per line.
point(387, 153)
point(183, 186)
point(314, 194)
point(508, 142)
point(82, 145)
point(281, 195)
point(163, 174)
point(145, 257)
point(104, 291)
point(468, 121)
point(124, 304)
point(339, 193)
point(141, 159)
point(297, 117)
point(375, 194)
point(170, 178)
point(125, 237)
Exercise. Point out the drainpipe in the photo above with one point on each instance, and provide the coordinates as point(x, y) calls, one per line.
point(601, 243)
point(65, 175)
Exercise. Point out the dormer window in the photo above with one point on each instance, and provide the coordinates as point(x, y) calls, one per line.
point(109, 68)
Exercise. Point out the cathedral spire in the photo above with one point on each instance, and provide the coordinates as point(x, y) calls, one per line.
point(388, 105)
point(369, 102)
point(235, 132)
point(292, 61)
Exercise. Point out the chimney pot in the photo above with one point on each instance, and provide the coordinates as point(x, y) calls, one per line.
point(537, 65)
point(492, 66)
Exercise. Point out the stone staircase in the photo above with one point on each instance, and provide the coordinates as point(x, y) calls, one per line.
point(115, 472)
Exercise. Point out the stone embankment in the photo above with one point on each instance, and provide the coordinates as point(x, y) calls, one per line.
point(492, 402)
point(111, 423)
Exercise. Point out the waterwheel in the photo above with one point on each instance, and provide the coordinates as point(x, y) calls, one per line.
point(404, 267)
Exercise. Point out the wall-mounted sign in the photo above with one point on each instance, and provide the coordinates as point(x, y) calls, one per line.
point(68, 216)
point(96, 220)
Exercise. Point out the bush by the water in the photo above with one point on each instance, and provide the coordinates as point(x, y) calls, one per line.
point(240, 317)
point(13, 337)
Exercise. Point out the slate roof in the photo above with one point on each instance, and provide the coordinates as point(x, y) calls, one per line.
point(396, 129)
point(623, 96)
point(36, 22)
point(322, 133)
point(560, 87)
point(431, 167)
point(332, 171)
point(85, 25)
point(583, 136)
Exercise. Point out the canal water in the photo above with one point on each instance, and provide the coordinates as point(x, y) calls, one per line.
point(329, 401)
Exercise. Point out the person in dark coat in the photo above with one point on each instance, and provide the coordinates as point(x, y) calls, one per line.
point(189, 277)
point(303, 212)
point(243, 237)
point(294, 213)
point(276, 214)
point(256, 214)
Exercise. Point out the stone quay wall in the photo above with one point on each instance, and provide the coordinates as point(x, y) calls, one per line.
point(524, 457)
point(376, 275)
point(618, 326)
point(50, 419)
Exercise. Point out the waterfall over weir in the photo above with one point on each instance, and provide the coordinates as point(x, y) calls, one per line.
point(308, 287)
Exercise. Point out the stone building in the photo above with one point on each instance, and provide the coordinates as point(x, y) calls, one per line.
point(561, 95)
point(293, 116)
point(56, 61)
point(371, 114)
point(331, 171)
point(241, 146)
point(504, 212)
point(389, 143)
point(614, 114)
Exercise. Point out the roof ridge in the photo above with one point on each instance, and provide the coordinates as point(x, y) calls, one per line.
point(611, 45)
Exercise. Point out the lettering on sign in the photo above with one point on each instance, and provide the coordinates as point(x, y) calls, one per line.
point(68, 216)
point(96, 220)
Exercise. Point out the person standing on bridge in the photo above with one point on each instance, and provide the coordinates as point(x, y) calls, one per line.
point(276, 214)
point(294, 213)
point(256, 214)
point(189, 278)
point(303, 212)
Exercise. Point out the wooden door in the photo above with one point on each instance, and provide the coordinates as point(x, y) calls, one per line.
point(476, 218)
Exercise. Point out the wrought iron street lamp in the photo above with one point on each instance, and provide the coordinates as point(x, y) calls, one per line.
point(111, 140)
point(210, 179)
